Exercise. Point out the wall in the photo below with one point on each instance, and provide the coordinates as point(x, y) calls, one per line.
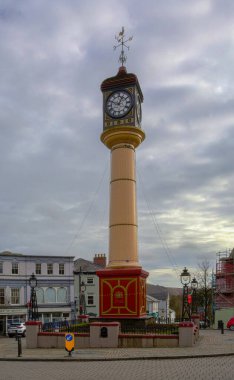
point(188, 335)
point(26, 266)
point(223, 315)
point(91, 289)
point(131, 341)
point(57, 340)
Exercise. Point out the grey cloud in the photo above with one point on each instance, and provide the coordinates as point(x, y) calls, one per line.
point(54, 169)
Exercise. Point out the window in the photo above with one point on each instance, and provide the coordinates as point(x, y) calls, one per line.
point(50, 295)
point(56, 317)
point(2, 296)
point(15, 268)
point(38, 268)
point(46, 317)
point(89, 280)
point(1, 267)
point(90, 300)
point(62, 295)
point(40, 295)
point(49, 268)
point(15, 299)
point(61, 268)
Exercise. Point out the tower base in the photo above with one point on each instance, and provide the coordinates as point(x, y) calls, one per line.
point(122, 293)
point(126, 323)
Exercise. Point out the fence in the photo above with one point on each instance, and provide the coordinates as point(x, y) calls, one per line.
point(51, 335)
point(157, 329)
point(66, 326)
point(77, 327)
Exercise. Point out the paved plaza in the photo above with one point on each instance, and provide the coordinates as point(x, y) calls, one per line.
point(211, 358)
point(197, 369)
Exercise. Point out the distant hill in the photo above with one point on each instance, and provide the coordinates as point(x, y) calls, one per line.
point(9, 253)
point(175, 291)
point(161, 292)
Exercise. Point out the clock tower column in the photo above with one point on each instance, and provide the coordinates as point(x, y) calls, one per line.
point(123, 282)
point(122, 134)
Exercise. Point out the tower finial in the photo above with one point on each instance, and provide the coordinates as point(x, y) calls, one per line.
point(122, 42)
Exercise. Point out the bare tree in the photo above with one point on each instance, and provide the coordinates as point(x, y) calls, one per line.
point(204, 297)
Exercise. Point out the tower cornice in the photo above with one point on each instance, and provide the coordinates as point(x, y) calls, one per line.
point(122, 79)
point(122, 135)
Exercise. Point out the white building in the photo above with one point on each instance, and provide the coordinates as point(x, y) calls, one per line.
point(55, 287)
point(152, 306)
point(86, 284)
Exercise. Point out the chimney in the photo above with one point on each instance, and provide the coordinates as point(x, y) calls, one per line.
point(100, 259)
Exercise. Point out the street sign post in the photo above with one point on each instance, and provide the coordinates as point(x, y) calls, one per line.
point(69, 342)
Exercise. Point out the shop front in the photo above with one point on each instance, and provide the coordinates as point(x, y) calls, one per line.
point(9, 315)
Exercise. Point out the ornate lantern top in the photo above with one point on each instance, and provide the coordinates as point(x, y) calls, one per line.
point(185, 277)
point(33, 281)
point(194, 283)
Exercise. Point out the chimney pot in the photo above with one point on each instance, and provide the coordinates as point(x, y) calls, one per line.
point(100, 259)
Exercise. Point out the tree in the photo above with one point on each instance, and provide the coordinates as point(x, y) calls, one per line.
point(204, 292)
point(176, 304)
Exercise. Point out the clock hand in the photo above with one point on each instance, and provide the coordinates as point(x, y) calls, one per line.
point(116, 101)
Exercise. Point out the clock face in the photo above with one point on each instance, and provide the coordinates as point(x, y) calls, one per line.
point(119, 103)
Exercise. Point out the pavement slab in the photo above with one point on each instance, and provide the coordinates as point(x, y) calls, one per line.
point(210, 343)
point(206, 368)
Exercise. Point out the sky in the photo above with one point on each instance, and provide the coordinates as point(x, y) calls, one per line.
point(54, 170)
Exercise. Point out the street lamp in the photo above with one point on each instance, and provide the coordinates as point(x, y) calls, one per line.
point(74, 309)
point(170, 316)
point(162, 314)
point(194, 286)
point(185, 279)
point(82, 298)
point(33, 309)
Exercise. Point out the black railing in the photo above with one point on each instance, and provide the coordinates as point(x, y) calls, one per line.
point(66, 326)
point(77, 327)
point(157, 329)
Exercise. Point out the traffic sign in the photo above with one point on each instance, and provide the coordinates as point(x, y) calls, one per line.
point(69, 342)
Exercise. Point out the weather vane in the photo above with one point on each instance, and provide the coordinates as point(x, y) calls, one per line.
point(122, 42)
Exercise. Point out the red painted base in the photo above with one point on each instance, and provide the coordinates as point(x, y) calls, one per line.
point(122, 293)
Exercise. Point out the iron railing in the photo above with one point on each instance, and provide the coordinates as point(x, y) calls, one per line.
point(157, 329)
point(77, 327)
point(66, 326)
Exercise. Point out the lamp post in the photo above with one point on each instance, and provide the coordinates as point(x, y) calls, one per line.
point(185, 278)
point(82, 299)
point(169, 316)
point(194, 286)
point(33, 309)
point(75, 307)
point(162, 315)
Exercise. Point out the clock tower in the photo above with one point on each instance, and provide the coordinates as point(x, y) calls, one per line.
point(123, 282)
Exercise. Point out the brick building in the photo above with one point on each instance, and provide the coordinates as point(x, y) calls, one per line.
point(224, 284)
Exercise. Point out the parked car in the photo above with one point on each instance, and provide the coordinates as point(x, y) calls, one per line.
point(16, 327)
point(230, 324)
point(202, 324)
